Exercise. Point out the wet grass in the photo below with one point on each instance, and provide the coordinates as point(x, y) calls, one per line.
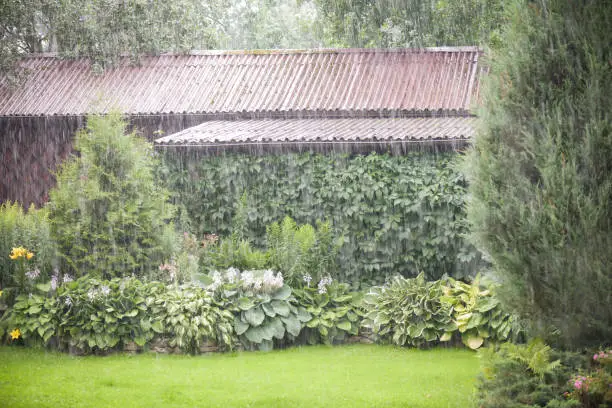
point(349, 376)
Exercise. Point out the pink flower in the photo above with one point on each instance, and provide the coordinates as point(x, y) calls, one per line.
point(595, 356)
point(578, 384)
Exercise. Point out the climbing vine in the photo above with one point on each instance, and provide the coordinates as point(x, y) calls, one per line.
point(394, 214)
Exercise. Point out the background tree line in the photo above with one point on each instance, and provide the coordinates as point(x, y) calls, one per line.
point(103, 29)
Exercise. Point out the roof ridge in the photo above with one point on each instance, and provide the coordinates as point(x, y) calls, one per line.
point(279, 51)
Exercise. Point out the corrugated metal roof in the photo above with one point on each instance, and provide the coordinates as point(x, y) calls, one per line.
point(350, 130)
point(344, 81)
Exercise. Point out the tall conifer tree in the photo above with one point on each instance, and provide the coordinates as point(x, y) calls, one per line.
point(541, 168)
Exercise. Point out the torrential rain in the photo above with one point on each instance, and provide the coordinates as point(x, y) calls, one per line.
point(374, 192)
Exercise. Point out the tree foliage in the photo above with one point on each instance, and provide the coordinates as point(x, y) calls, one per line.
point(103, 29)
point(409, 23)
point(108, 217)
point(541, 168)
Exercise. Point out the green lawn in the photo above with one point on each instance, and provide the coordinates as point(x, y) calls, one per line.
point(348, 376)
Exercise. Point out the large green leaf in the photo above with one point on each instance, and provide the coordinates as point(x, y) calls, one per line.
point(280, 307)
point(472, 341)
point(486, 304)
point(268, 309)
point(314, 322)
point(254, 335)
point(283, 293)
point(245, 303)
point(279, 328)
point(239, 326)
point(292, 325)
point(302, 315)
point(254, 316)
point(268, 330)
point(157, 326)
point(344, 325)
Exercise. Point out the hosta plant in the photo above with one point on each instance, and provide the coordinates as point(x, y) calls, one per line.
point(99, 315)
point(35, 318)
point(187, 316)
point(263, 306)
point(336, 312)
point(477, 314)
point(94, 315)
point(408, 312)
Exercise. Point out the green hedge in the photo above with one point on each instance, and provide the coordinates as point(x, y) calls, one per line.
point(396, 214)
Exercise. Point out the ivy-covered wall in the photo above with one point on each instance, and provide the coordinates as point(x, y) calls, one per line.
point(396, 214)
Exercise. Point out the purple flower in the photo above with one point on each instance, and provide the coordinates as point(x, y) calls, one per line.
point(54, 280)
point(323, 283)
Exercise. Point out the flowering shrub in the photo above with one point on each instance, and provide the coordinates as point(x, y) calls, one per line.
point(594, 390)
point(21, 230)
point(22, 256)
point(263, 306)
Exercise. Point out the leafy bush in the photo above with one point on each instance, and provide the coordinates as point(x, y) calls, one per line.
point(108, 217)
point(232, 252)
point(478, 314)
point(35, 318)
point(299, 250)
point(408, 312)
point(264, 309)
point(417, 312)
point(336, 312)
point(94, 315)
point(30, 230)
point(526, 376)
point(291, 249)
point(394, 214)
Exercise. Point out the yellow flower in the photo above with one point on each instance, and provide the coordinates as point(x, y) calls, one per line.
point(20, 252)
point(0, 293)
point(15, 334)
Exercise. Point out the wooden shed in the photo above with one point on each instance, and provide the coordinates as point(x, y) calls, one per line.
point(340, 99)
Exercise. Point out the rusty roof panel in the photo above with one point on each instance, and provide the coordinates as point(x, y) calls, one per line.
point(348, 130)
point(290, 81)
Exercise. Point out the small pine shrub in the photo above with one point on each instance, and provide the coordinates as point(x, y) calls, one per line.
point(108, 216)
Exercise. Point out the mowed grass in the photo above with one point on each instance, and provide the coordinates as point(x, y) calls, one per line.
point(347, 376)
